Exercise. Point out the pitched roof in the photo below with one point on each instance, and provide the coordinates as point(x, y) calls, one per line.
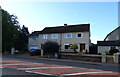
point(64, 29)
point(67, 29)
point(111, 33)
point(35, 33)
point(108, 43)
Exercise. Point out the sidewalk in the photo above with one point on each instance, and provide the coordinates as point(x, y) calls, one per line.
point(26, 55)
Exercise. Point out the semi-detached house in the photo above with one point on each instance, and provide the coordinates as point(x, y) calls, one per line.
point(111, 41)
point(65, 35)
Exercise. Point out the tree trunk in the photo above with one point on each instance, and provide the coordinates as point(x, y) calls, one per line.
point(75, 50)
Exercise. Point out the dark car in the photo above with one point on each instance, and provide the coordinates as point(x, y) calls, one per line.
point(35, 52)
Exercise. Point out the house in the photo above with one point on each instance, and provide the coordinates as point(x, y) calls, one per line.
point(111, 41)
point(65, 35)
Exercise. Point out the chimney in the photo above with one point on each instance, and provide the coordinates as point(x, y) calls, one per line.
point(65, 25)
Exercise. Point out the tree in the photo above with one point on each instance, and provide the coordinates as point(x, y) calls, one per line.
point(9, 30)
point(51, 47)
point(22, 40)
point(12, 34)
point(74, 47)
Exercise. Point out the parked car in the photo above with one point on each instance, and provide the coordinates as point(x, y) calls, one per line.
point(34, 52)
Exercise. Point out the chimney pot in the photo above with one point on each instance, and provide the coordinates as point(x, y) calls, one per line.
point(65, 24)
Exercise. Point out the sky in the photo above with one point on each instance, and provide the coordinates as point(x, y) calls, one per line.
point(36, 15)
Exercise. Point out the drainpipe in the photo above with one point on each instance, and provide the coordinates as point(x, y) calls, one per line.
point(60, 41)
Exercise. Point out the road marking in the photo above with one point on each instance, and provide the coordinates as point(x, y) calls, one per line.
point(39, 73)
point(21, 64)
point(1, 67)
point(14, 64)
point(44, 68)
point(84, 73)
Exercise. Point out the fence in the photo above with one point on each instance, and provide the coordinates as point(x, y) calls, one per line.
point(112, 59)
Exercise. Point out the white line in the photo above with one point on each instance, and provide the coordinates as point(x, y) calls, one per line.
point(11, 61)
point(12, 64)
point(84, 73)
point(38, 73)
point(1, 67)
point(21, 64)
point(42, 68)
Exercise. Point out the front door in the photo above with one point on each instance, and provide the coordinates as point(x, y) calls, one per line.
point(82, 47)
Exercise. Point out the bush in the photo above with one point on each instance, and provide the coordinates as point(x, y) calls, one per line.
point(51, 47)
point(112, 51)
point(107, 53)
point(74, 47)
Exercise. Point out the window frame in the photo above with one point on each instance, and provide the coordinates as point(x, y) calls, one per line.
point(45, 36)
point(113, 47)
point(34, 38)
point(66, 35)
point(54, 36)
point(117, 37)
point(81, 35)
point(67, 45)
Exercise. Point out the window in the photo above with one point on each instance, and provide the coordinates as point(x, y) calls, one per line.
point(45, 36)
point(54, 36)
point(67, 46)
point(113, 47)
point(79, 35)
point(117, 37)
point(68, 35)
point(33, 47)
point(34, 38)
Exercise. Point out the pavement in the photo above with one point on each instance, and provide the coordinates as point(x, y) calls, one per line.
point(26, 55)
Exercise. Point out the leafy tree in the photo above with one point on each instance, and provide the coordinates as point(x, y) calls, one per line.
point(12, 34)
point(9, 30)
point(22, 40)
point(74, 47)
point(51, 47)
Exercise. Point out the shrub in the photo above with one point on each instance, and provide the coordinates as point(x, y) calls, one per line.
point(74, 47)
point(112, 51)
point(51, 47)
point(107, 53)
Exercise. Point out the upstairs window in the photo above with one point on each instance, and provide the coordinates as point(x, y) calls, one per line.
point(79, 35)
point(34, 38)
point(113, 47)
point(54, 36)
point(45, 36)
point(117, 37)
point(68, 35)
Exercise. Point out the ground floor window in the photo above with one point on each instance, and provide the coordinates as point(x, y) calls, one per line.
point(33, 47)
point(67, 46)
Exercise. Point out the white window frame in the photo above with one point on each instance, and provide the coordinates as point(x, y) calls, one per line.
point(79, 33)
point(45, 36)
point(64, 46)
point(34, 38)
point(66, 35)
point(34, 46)
point(54, 36)
point(113, 46)
point(117, 37)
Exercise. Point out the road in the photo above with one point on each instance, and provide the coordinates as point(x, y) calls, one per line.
point(33, 67)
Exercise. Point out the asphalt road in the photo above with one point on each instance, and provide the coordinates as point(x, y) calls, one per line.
point(13, 72)
point(7, 72)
